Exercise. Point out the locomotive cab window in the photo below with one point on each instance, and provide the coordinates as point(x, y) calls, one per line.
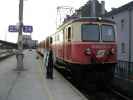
point(108, 33)
point(90, 32)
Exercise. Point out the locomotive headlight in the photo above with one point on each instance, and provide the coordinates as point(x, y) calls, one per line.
point(88, 51)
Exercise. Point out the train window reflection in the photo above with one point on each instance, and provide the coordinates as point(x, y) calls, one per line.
point(108, 33)
point(90, 32)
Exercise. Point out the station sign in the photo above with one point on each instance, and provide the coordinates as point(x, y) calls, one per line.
point(27, 29)
point(12, 28)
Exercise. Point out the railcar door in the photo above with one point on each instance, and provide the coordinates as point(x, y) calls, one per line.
point(64, 35)
point(64, 43)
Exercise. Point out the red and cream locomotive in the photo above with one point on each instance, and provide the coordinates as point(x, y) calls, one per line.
point(87, 48)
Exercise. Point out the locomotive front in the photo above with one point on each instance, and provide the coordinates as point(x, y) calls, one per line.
point(87, 47)
point(97, 44)
point(93, 50)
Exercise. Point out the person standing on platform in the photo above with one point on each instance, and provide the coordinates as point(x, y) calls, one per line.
point(50, 65)
point(49, 59)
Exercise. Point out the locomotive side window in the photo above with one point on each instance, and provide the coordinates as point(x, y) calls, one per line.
point(108, 33)
point(69, 33)
point(90, 32)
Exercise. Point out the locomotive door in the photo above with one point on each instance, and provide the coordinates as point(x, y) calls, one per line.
point(67, 44)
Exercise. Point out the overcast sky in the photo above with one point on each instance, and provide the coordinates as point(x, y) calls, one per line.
point(41, 14)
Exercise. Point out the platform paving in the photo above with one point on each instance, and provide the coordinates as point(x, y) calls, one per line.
point(31, 84)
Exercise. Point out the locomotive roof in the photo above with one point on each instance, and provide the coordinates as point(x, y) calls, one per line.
point(86, 19)
point(94, 20)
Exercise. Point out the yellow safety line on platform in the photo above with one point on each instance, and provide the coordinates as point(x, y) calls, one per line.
point(45, 88)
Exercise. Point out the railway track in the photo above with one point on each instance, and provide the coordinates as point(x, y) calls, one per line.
point(102, 94)
point(120, 95)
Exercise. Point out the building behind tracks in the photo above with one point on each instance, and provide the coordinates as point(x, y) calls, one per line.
point(123, 17)
point(28, 42)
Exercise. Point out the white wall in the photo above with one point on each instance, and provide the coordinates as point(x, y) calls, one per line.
point(122, 35)
point(132, 38)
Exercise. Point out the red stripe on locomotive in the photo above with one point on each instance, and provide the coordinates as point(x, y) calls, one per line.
point(76, 52)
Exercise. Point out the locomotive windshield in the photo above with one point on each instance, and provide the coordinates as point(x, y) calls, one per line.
point(93, 32)
point(108, 33)
point(90, 32)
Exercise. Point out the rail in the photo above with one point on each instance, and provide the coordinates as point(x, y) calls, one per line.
point(120, 95)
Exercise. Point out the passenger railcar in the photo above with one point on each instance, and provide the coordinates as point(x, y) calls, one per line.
point(40, 49)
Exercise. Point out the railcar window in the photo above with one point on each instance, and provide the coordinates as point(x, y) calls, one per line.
point(66, 34)
point(108, 33)
point(58, 38)
point(90, 32)
point(51, 40)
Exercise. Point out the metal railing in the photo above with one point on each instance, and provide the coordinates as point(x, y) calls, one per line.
point(124, 69)
point(5, 53)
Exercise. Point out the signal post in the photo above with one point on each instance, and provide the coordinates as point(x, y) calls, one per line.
point(19, 53)
point(20, 28)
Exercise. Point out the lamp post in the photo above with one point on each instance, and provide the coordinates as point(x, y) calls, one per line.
point(19, 53)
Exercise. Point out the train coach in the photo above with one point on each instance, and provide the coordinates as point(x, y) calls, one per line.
point(87, 48)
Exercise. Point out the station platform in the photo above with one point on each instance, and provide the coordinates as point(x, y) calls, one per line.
point(31, 84)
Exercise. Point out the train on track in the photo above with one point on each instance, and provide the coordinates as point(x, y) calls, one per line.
point(86, 47)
